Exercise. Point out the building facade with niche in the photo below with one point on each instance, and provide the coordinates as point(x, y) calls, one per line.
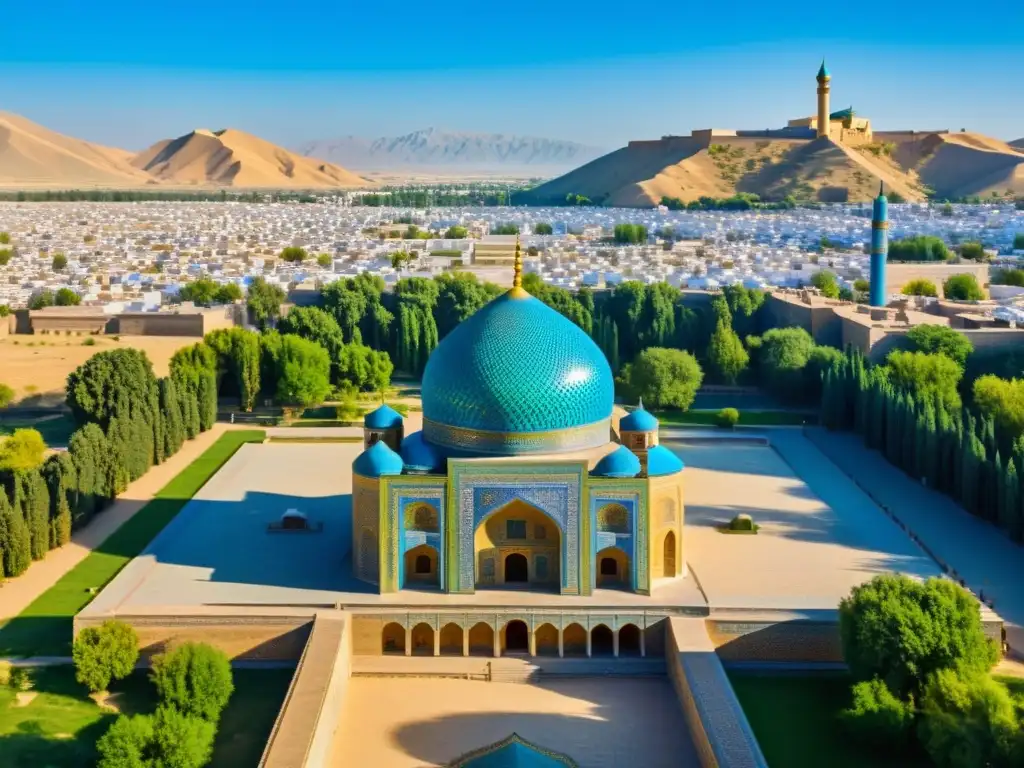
point(520, 478)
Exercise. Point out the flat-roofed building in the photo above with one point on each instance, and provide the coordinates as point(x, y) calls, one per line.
point(495, 250)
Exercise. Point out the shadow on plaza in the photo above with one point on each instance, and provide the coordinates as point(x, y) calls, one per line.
point(609, 727)
point(241, 542)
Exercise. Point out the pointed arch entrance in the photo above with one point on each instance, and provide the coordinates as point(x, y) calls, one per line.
point(669, 555)
point(519, 546)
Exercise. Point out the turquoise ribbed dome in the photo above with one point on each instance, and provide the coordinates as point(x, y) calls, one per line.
point(378, 460)
point(384, 417)
point(661, 461)
point(639, 420)
point(517, 366)
point(621, 462)
point(421, 456)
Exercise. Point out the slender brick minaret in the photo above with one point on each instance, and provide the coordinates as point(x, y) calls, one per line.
point(824, 80)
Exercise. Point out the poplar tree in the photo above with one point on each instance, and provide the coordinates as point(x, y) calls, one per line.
point(61, 481)
point(17, 543)
point(170, 410)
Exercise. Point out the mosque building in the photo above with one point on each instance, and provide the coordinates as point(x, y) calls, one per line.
point(521, 476)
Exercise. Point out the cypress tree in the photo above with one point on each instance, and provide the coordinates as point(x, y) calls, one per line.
point(894, 428)
point(245, 350)
point(995, 489)
point(863, 403)
point(17, 544)
point(1015, 501)
point(908, 452)
point(36, 509)
point(119, 457)
point(61, 481)
point(170, 408)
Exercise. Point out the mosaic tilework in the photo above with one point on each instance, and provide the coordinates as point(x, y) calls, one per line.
point(398, 493)
point(480, 490)
point(632, 496)
point(502, 443)
point(517, 365)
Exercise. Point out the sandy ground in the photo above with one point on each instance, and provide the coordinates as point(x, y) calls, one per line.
point(17, 594)
point(820, 534)
point(38, 366)
point(599, 723)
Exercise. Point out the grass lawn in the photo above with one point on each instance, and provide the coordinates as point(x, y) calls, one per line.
point(795, 719)
point(44, 628)
point(56, 431)
point(747, 418)
point(61, 725)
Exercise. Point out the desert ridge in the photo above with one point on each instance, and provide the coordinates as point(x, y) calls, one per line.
point(34, 156)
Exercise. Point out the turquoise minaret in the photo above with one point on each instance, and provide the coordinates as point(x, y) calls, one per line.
point(879, 247)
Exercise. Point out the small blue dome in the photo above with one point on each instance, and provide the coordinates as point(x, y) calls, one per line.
point(378, 460)
point(384, 417)
point(621, 462)
point(639, 420)
point(419, 455)
point(661, 461)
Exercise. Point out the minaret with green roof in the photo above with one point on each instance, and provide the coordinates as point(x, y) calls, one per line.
point(824, 88)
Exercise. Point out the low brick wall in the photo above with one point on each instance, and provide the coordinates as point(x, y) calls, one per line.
point(775, 640)
point(717, 724)
point(303, 736)
point(269, 638)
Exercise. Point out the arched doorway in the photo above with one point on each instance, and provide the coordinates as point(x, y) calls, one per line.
point(574, 640)
point(602, 642)
point(423, 640)
point(517, 637)
point(481, 639)
point(421, 567)
point(547, 640)
point(451, 640)
point(517, 569)
point(629, 640)
point(612, 568)
point(669, 560)
point(518, 545)
point(393, 638)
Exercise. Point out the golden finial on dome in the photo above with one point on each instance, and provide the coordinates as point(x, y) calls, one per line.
point(517, 274)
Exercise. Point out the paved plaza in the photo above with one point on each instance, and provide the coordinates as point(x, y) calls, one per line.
point(820, 534)
point(599, 722)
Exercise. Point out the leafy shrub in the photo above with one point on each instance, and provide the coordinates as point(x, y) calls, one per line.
point(195, 678)
point(727, 418)
point(963, 288)
point(901, 630)
point(743, 523)
point(664, 378)
point(877, 717)
point(104, 653)
point(926, 375)
point(1010, 276)
point(827, 283)
point(972, 250)
point(89, 342)
point(919, 248)
point(920, 287)
point(166, 739)
point(969, 721)
point(6, 395)
point(940, 339)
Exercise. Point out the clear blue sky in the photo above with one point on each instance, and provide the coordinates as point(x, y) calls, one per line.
point(130, 73)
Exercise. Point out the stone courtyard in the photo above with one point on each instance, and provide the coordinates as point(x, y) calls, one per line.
point(601, 723)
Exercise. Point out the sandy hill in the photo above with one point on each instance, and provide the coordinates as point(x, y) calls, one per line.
point(235, 158)
point(910, 164)
point(644, 172)
point(436, 148)
point(31, 155)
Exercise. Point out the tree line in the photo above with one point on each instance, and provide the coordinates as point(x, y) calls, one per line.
point(910, 409)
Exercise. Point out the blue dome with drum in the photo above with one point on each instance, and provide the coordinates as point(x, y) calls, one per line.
point(384, 417)
point(638, 420)
point(621, 462)
point(661, 461)
point(517, 377)
point(421, 456)
point(378, 460)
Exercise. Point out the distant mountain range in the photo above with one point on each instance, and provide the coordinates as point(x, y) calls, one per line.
point(435, 148)
point(1019, 143)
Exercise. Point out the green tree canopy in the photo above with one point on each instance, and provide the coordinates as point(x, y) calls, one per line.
point(901, 631)
point(6, 395)
point(264, 301)
point(940, 339)
point(926, 375)
point(543, 228)
point(303, 372)
point(59, 262)
point(293, 253)
point(505, 229)
point(920, 287)
point(324, 260)
point(456, 232)
point(664, 378)
point(5, 256)
point(65, 297)
point(22, 451)
point(630, 234)
point(200, 291)
point(228, 293)
point(826, 282)
point(104, 653)
point(972, 250)
point(1002, 401)
point(781, 359)
point(42, 299)
point(365, 369)
point(1009, 276)
point(195, 678)
point(919, 248)
point(727, 358)
point(314, 324)
point(963, 288)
